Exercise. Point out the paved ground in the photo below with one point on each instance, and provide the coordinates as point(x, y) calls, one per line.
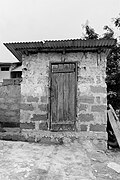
point(75, 161)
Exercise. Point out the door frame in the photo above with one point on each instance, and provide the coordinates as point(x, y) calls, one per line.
point(50, 84)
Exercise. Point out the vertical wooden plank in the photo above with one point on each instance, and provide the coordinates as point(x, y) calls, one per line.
point(50, 86)
point(73, 88)
point(60, 94)
point(69, 100)
point(54, 97)
point(57, 99)
point(76, 85)
point(72, 96)
point(60, 97)
point(66, 89)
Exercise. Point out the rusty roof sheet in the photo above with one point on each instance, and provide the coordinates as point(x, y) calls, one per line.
point(17, 47)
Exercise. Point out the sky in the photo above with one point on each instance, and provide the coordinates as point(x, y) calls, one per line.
point(36, 20)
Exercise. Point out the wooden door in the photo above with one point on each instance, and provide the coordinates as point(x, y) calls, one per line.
point(63, 96)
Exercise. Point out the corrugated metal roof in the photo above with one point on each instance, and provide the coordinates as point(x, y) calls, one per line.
point(18, 68)
point(17, 47)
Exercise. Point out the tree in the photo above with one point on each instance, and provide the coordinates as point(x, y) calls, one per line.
point(90, 33)
point(113, 63)
point(109, 34)
point(117, 21)
point(113, 78)
point(113, 69)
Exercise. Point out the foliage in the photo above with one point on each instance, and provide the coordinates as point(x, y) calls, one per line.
point(113, 71)
point(113, 77)
point(113, 63)
point(90, 33)
point(109, 34)
point(117, 21)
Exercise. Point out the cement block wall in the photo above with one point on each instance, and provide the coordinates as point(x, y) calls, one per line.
point(35, 90)
point(10, 97)
point(91, 91)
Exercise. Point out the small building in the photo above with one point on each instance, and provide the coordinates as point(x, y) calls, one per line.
point(16, 70)
point(63, 87)
point(10, 70)
point(4, 71)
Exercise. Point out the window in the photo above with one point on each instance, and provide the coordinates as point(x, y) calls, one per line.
point(5, 68)
point(16, 74)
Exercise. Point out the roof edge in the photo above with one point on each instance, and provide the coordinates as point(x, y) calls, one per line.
point(17, 48)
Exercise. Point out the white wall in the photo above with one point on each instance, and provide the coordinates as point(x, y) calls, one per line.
point(4, 75)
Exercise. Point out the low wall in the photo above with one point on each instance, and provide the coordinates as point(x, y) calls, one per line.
point(10, 97)
point(26, 105)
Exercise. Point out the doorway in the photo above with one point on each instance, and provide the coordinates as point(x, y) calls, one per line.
point(63, 86)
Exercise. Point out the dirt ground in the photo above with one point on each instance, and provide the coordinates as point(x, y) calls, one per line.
point(70, 161)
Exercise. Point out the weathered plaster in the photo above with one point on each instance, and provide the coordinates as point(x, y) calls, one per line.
point(91, 89)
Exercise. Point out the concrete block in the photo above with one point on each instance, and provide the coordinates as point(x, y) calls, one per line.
point(27, 125)
point(46, 140)
point(25, 116)
point(85, 79)
point(11, 119)
point(15, 137)
point(30, 139)
point(15, 106)
point(12, 100)
point(26, 107)
point(98, 100)
point(4, 118)
point(44, 99)
point(100, 117)
point(15, 119)
point(97, 127)
point(43, 107)
point(98, 89)
point(39, 117)
point(32, 99)
point(10, 113)
point(86, 99)
point(98, 108)
point(86, 117)
point(83, 127)
point(10, 125)
point(82, 107)
point(43, 126)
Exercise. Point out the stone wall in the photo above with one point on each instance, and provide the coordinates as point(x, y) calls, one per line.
point(92, 99)
point(35, 90)
point(10, 97)
point(91, 91)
